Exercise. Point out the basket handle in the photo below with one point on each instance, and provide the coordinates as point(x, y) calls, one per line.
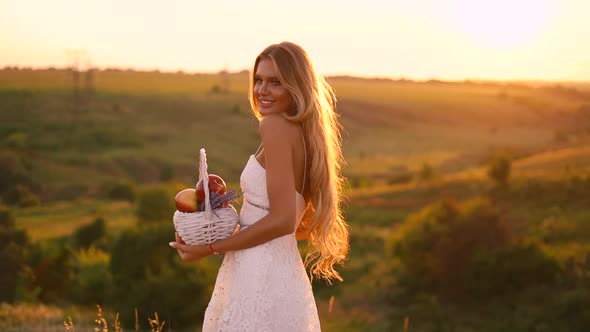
point(205, 177)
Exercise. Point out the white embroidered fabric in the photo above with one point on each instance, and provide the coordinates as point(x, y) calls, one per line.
point(264, 288)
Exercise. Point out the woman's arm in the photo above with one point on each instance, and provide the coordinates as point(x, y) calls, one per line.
point(278, 137)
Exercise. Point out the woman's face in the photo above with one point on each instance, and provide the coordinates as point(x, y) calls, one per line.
point(271, 95)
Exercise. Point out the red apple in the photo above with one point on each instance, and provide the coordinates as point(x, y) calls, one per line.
point(186, 200)
point(216, 184)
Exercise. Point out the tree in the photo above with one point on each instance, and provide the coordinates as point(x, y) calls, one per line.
point(13, 246)
point(53, 264)
point(93, 280)
point(122, 192)
point(16, 185)
point(466, 251)
point(21, 196)
point(427, 172)
point(155, 205)
point(87, 235)
point(148, 275)
point(499, 169)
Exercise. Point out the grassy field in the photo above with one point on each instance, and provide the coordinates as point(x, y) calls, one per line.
point(145, 128)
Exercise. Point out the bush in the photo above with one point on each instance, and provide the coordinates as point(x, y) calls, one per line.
point(53, 268)
point(13, 172)
point(66, 192)
point(13, 247)
point(122, 192)
point(21, 196)
point(458, 252)
point(360, 182)
point(148, 275)
point(155, 205)
point(87, 235)
point(93, 281)
point(499, 169)
point(17, 140)
point(166, 172)
point(401, 178)
point(569, 192)
point(426, 173)
point(139, 169)
point(508, 270)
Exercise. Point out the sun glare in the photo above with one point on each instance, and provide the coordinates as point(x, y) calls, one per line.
point(502, 24)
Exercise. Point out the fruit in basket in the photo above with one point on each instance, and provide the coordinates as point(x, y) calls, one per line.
point(186, 200)
point(216, 185)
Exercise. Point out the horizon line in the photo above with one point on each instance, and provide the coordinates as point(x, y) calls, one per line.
point(330, 75)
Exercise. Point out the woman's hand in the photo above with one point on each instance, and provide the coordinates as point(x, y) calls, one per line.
point(189, 253)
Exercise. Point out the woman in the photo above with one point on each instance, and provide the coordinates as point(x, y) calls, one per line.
point(291, 189)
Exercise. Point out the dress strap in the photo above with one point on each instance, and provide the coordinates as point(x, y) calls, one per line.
point(304, 159)
point(259, 148)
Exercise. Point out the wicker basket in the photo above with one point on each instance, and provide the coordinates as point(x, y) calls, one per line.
point(204, 227)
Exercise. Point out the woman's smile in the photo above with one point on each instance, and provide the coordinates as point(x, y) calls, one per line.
point(270, 93)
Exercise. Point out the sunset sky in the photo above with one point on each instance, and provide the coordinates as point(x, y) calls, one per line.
point(419, 39)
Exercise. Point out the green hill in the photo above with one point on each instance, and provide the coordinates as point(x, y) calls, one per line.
point(407, 145)
point(147, 127)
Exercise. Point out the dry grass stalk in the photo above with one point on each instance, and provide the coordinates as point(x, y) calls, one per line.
point(136, 321)
point(101, 322)
point(26, 316)
point(69, 324)
point(406, 323)
point(331, 304)
point(117, 324)
point(155, 323)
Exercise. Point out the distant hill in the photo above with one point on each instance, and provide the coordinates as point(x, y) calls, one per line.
point(147, 127)
point(558, 163)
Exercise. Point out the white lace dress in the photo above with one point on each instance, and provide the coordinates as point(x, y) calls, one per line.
point(264, 288)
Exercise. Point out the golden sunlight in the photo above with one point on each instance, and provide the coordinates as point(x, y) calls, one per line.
point(502, 24)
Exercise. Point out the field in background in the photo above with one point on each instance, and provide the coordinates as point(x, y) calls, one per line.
point(145, 128)
point(389, 126)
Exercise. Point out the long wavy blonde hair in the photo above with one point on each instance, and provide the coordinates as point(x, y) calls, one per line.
point(314, 110)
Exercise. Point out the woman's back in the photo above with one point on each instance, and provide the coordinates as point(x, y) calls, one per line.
point(264, 288)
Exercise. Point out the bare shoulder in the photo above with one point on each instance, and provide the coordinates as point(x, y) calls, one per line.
point(275, 126)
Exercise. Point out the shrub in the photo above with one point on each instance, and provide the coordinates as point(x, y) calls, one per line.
point(560, 136)
point(148, 275)
point(93, 281)
point(215, 89)
point(53, 268)
point(122, 192)
point(360, 182)
point(509, 269)
point(13, 246)
point(17, 140)
point(499, 169)
point(21, 196)
point(426, 173)
point(155, 205)
point(461, 251)
point(401, 178)
point(87, 235)
point(68, 192)
point(140, 170)
point(166, 172)
point(13, 171)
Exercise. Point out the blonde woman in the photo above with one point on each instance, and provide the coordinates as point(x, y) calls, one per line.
point(292, 190)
